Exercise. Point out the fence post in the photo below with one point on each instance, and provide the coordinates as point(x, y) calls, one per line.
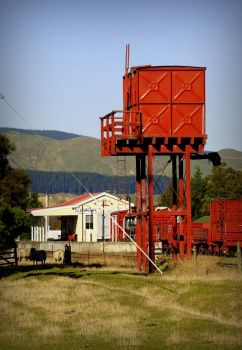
point(15, 254)
point(195, 260)
point(239, 256)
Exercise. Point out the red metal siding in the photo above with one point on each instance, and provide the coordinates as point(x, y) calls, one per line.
point(171, 100)
point(187, 120)
point(188, 86)
point(156, 119)
point(200, 231)
point(226, 220)
point(154, 86)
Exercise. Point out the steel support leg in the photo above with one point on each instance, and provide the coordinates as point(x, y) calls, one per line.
point(174, 206)
point(151, 210)
point(141, 209)
point(138, 211)
point(181, 206)
point(144, 228)
point(188, 204)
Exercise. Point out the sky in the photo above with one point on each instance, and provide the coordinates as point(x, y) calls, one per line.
point(62, 62)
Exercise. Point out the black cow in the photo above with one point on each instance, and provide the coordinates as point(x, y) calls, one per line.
point(37, 255)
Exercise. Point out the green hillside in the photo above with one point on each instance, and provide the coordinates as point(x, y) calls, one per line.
point(77, 154)
point(82, 154)
point(232, 157)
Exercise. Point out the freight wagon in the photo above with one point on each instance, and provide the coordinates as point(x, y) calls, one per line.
point(219, 236)
point(226, 224)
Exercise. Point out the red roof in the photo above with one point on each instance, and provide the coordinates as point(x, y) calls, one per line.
point(70, 202)
point(77, 199)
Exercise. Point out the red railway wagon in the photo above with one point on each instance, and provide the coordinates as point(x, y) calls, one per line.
point(219, 236)
point(122, 220)
point(164, 223)
point(117, 221)
point(163, 228)
point(226, 223)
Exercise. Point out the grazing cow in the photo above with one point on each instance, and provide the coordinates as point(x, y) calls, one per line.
point(37, 255)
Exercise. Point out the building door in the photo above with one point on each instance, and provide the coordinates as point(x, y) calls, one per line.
point(89, 227)
point(104, 225)
point(68, 226)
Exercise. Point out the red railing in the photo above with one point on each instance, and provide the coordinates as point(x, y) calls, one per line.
point(125, 126)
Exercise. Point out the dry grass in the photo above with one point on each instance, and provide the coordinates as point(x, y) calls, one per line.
point(207, 267)
point(106, 309)
point(51, 309)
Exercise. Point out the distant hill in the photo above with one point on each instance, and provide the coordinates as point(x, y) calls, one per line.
point(232, 157)
point(52, 134)
point(82, 154)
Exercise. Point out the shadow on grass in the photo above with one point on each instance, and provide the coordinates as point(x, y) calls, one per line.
point(75, 270)
point(36, 270)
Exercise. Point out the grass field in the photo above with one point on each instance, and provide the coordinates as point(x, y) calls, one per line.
point(90, 308)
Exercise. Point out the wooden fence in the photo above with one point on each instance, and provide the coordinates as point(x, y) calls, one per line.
point(8, 257)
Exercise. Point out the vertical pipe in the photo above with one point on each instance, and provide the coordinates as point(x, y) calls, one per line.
point(127, 53)
point(188, 204)
point(151, 210)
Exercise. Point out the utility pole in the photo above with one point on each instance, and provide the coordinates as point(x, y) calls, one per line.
point(46, 218)
point(103, 225)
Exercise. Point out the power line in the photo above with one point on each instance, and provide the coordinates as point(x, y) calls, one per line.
point(85, 188)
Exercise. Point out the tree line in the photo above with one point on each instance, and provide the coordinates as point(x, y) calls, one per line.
point(223, 182)
point(15, 198)
point(79, 183)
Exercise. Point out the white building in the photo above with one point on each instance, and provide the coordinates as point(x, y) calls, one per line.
point(86, 216)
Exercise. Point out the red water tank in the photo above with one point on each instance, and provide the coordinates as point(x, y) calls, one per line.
point(171, 99)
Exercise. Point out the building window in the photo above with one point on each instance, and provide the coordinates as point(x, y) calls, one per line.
point(89, 222)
